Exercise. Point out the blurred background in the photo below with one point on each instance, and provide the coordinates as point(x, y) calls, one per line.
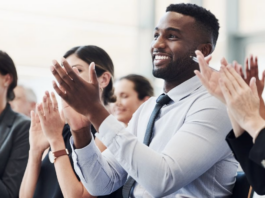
point(34, 33)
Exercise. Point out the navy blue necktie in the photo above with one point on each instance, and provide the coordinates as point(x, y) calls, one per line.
point(160, 102)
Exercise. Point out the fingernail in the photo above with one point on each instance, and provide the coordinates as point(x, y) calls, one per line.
point(62, 61)
point(93, 65)
point(54, 62)
point(52, 68)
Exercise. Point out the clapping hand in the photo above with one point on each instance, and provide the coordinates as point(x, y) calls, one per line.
point(209, 77)
point(75, 120)
point(38, 141)
point(242, 100)
point(82, 96)
point(252, 70)
point(79, 94)
point(50, 119)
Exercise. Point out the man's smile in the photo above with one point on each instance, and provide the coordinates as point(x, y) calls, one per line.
point(161, 59)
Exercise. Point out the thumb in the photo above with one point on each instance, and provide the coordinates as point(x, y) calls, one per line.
point(32, 116)
point(92, 74)
point(76, 71)
point(253, 86)
point(224, 62)
point(208, 59)
point(263, 76)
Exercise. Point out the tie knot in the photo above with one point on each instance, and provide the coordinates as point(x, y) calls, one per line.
point(163, 99)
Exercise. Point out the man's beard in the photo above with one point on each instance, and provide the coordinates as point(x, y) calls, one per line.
point(175, 70)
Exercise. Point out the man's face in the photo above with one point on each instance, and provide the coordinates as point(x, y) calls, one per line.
point(175, 40)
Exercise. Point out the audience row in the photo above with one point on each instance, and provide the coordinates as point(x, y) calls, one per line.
point(170, 146)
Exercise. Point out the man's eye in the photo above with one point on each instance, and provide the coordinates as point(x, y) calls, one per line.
point(79, 70)
point(172, 36)
point(155, 36)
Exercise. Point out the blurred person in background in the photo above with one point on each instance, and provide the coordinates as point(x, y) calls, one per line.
point(43, 178)
point(131, 92)
point(25, 100)
point(14, 133)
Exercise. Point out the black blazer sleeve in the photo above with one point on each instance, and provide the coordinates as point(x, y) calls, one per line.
point(244, 150)
point(14, 148)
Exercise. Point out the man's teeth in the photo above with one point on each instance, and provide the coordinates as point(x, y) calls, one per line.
point(161, 57)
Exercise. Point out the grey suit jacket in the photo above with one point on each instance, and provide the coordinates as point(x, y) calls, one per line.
point(14, 149)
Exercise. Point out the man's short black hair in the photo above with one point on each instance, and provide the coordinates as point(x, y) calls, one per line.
point(207, 21)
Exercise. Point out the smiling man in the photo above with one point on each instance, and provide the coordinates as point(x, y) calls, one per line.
point(174, 145)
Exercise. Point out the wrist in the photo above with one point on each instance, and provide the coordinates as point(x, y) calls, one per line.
point(57, 144)
point(37, 150)
point(36, 154)
point(91, 111)
point(98, 115)
point(81, 137)
point(254, 126)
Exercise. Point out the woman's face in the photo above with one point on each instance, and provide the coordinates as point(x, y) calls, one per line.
point(81, 65)
point(127, 101)
point(4, 83)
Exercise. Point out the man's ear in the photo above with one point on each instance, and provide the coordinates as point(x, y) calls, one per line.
point(206, 48)
point(104, 79)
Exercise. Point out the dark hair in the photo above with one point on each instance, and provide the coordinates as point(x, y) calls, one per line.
point(141, 85)
point(206, 20)
point(7, 66)
point(103, 62)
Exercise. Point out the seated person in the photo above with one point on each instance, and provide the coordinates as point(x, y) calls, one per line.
point(14, 132)
point(246, 110)
point(25, 100)
point(43, 178)
point(131, 92)
point(173, 145)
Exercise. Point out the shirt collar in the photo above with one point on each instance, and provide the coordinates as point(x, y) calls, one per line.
point(184, 89)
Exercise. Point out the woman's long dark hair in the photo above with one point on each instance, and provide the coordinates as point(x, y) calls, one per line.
point(7, 66)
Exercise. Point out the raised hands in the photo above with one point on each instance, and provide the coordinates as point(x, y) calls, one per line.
point(242, 100)
point(82, 96)
point(38, 141)
point(50, 119)
point(252, 70)
point(79, 94)
point(209, 77)
point(75, 120)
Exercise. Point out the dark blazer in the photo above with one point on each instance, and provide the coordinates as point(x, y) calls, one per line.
point(14, 149)
point(250, 156)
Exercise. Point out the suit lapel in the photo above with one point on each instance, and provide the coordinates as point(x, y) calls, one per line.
point(6, 123)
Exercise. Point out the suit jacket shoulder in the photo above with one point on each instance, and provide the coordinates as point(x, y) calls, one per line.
point(14, 148)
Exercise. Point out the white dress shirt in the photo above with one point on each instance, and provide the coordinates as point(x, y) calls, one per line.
point(188, 154)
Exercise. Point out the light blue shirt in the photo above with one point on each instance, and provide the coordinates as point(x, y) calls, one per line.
point(188, 155)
